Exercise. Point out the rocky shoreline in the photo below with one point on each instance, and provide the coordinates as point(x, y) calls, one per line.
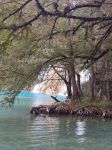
point(66, 109)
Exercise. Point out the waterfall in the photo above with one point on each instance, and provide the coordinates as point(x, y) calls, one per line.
point(54, 86)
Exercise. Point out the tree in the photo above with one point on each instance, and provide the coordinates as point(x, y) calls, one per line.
point(35, 35)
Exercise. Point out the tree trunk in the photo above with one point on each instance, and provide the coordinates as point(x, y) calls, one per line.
point(79, 85)
point(69, 91)
point(101, 79)
point(108, 73)
point(75, 93)
point(92, 84)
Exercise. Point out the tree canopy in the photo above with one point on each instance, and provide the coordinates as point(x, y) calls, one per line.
point(35, 35)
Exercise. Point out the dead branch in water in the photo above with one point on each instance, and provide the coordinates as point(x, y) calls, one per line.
point(55, 98)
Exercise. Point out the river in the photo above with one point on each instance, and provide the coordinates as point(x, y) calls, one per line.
point(21, 131)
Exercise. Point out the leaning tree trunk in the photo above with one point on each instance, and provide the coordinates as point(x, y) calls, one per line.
point(75, 93)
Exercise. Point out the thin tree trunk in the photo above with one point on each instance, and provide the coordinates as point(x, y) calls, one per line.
point(108, 87)
point(102, 76)
point(92, 84)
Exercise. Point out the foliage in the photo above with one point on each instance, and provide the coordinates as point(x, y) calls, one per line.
point(35, 35)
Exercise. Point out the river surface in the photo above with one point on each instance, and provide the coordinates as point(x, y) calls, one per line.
point(21, 131)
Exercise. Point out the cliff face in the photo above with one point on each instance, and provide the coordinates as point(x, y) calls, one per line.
point(51, 85)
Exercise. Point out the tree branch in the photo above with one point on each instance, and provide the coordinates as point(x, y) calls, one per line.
point(17, 10)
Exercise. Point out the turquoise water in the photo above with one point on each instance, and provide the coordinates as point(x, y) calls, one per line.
point(21, 131)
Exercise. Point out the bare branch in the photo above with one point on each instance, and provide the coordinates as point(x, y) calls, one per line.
point(54, 24)
point(15, 27)
point(98, 45)
point(17, 10)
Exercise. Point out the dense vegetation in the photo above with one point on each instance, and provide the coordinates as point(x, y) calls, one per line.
point(66, 36)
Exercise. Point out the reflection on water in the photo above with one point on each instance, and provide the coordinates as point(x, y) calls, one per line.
point(68, 133)
point(80, 130)
point(42, 133)
point(21, 131)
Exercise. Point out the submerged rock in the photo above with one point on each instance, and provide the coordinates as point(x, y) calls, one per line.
point(41, 109)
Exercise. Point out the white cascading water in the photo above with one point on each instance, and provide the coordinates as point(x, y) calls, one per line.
point(56, 87)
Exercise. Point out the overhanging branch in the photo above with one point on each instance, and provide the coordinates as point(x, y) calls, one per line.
point(17, 10)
